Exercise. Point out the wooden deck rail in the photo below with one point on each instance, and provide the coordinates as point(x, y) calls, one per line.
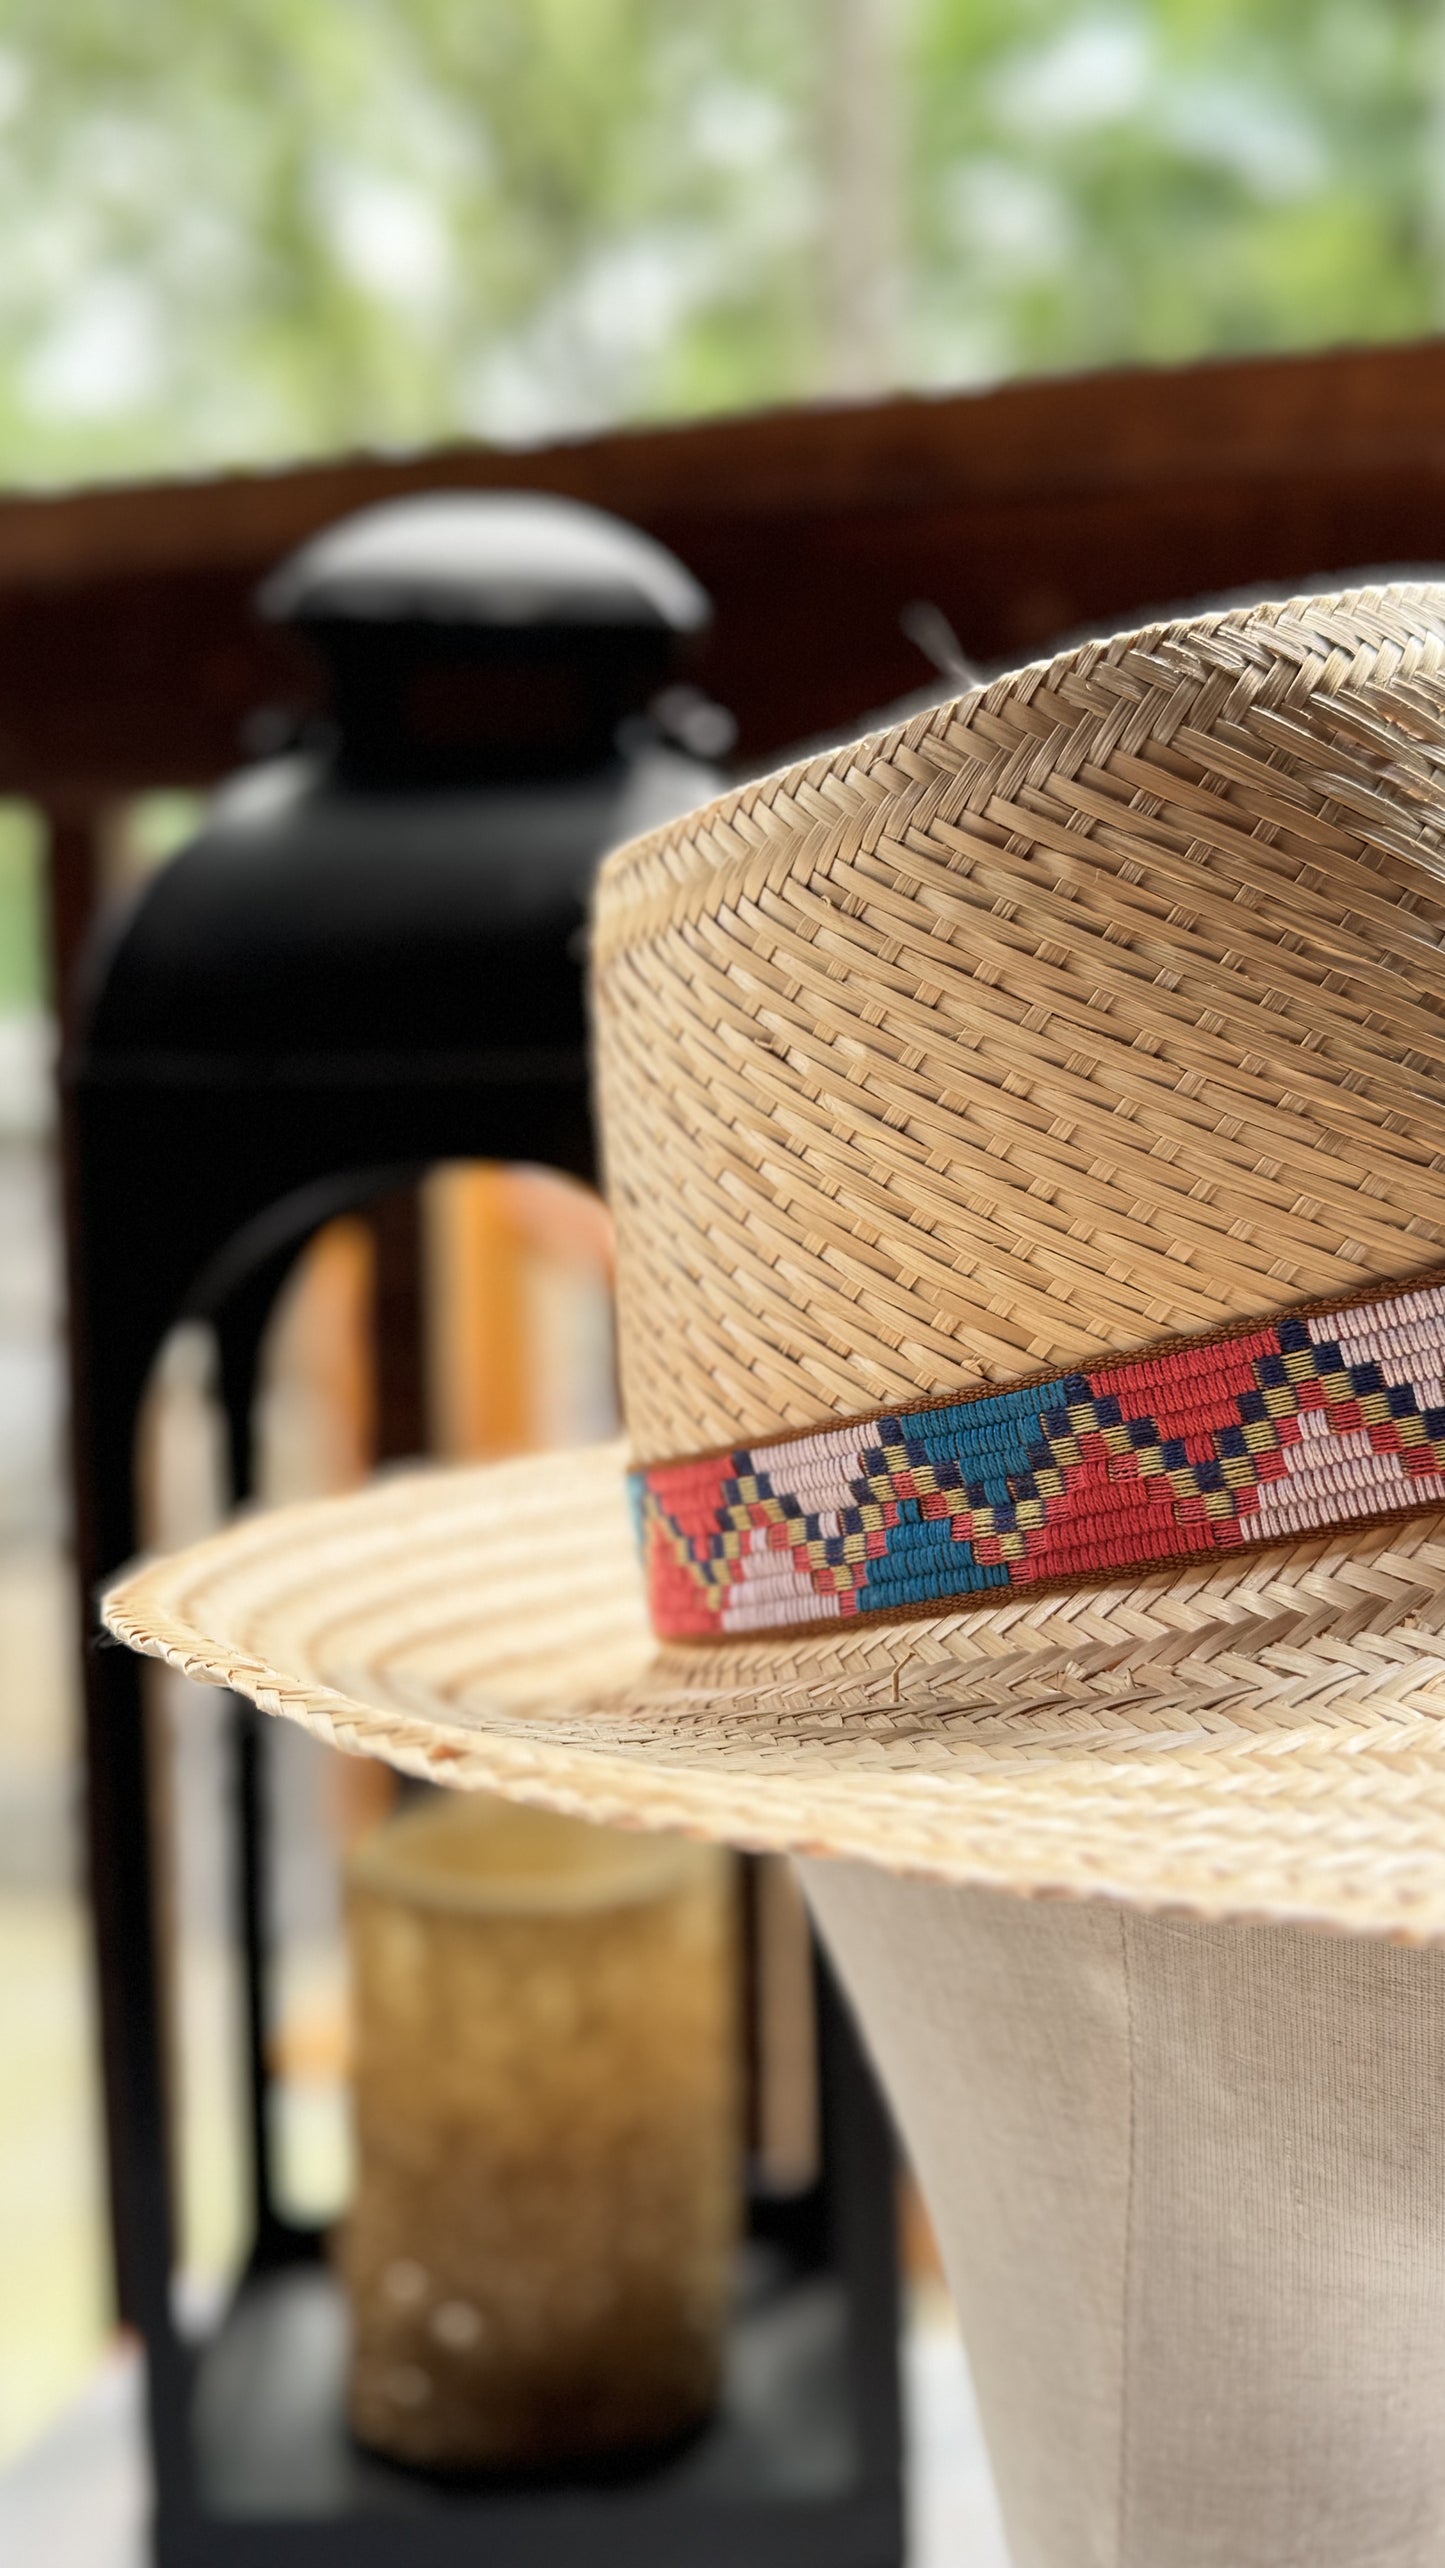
point(129, 654)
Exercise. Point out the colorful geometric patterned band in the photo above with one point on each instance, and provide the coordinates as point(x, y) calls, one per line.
point(1310, 1423)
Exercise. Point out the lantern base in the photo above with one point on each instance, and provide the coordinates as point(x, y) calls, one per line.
point(776, 2479)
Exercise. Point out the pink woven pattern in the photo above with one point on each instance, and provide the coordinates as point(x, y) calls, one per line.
point(1305, 1424)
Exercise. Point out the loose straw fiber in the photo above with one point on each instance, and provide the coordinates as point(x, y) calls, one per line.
point(1101, 1005)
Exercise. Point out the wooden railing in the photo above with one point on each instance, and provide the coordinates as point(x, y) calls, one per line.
point(129, 653)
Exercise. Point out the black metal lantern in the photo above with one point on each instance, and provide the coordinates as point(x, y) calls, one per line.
point(366, 963)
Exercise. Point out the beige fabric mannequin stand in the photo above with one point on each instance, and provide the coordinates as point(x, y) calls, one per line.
point(1189, 2182)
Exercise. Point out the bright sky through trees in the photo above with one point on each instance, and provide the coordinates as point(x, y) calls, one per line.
point(240, 230)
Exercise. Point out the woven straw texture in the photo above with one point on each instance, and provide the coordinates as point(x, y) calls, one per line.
point(1101, 1005)
point(1106, 1003)
point(1283, 1759)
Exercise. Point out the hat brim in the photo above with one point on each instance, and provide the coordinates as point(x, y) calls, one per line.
point(1263, 1738)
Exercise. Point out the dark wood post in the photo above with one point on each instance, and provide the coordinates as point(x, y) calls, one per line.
point(79, 830)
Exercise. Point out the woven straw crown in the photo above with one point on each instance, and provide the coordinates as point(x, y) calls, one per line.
point(1105, 1003)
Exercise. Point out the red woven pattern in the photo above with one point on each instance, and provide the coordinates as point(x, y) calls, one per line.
point(1304, 1424)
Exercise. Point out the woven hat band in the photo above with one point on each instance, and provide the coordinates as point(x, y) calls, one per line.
point(1312, 1422)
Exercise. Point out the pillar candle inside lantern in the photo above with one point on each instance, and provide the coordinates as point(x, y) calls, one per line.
point(546, 2096)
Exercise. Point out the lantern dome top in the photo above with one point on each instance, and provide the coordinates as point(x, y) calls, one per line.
point(506, 559)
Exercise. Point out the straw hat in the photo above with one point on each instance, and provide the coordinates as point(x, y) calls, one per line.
point(1026, 1134)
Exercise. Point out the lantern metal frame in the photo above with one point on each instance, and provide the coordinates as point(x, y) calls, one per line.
point(199, 1160)
point(152, 1252)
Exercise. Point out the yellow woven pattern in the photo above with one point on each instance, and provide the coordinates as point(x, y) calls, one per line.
point(1105, 1003)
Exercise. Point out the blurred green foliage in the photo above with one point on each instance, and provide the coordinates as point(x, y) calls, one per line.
point(20, 923)
point(1188, 178)
point(243, 229)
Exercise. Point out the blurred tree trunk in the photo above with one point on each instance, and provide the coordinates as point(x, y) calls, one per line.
point(861, 96)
